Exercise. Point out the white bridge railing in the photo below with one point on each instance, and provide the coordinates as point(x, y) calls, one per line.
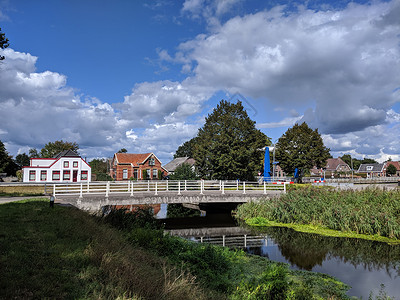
point(165, 186)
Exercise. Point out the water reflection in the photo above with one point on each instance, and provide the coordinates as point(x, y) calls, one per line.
point(306, 250)
point(362, 264)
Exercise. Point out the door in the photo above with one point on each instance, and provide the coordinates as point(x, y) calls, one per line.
point(74, 176)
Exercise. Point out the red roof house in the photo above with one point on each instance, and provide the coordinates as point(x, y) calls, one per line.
point(125, 166)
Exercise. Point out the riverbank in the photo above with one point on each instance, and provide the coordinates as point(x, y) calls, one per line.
point(369, 214)
point(66, 253)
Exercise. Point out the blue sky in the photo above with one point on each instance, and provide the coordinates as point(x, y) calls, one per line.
point(143, 75)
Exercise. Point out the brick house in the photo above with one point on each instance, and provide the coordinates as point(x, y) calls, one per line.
point(66, 166)
point(394, 163)
point(334, 166)
point(125, 166)
point(372, 170)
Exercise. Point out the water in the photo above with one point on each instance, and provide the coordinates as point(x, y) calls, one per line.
point(364, 265)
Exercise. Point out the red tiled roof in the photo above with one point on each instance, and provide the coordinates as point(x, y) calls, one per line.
point(128, 158)
point(394, 163)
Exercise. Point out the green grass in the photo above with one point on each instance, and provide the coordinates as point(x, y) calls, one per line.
point(63, 252)
point(372, 213)
point(66, 253)
point(22, 191)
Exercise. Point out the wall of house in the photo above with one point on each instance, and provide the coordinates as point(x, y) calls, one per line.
point(141, 169)
point(67, 168)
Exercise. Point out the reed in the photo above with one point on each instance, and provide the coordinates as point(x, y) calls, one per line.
point(369, 211)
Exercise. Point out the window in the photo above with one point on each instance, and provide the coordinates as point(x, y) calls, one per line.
point(66, 164)
point(369, 168)
point(75, 164)
point(56, 175)
point(148, 173)
point(135, 173)
point(32, 175)
point(125, 174)
point(155, 173)
point(152, 161)
point(43, 175)
point(84, 175)
point(67, 175)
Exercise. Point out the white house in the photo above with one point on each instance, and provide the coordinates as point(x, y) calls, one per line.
point(67, 166)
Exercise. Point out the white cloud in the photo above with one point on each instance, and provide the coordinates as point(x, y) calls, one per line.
point(37, 108)
point(286, 122)
point(345, 61)
point(162, 101)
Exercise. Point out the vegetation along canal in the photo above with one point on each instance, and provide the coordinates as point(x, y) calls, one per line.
point(362, 264)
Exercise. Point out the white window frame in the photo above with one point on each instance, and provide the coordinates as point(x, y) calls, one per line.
point(124, 173)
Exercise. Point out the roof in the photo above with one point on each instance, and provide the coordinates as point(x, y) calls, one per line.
point(394, 163)
point(333, 163)
point(173, 164)
point(134, 159)
point(367, 168)
point(68, 153)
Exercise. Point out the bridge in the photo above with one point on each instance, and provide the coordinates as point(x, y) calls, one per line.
point(94, 195)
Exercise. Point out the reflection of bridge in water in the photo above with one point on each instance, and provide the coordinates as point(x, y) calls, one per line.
point(233, 237)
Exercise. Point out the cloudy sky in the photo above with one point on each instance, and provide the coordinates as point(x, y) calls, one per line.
point(143, 75)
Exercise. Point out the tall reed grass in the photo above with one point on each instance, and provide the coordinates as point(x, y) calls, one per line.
point(370, 211)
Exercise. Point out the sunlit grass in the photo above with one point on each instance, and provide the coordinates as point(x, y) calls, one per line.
point(370, 214)
point(65, 253)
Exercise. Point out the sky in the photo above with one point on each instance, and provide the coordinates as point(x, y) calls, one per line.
point(144, 75)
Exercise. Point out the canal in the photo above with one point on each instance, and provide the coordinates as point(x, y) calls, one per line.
point(364, 265)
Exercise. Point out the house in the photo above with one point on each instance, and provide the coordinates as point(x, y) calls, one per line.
point(394, 163)
point(173, 164)
point(333, 166)
point(66, 166)
point(125, 166)
point(372, 170)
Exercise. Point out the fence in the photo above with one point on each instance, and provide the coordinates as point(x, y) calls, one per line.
point(165, 186)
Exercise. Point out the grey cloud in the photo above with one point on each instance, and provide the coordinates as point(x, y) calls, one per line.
point(346, 62)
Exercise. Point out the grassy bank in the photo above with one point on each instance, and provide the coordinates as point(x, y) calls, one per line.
point(22, 190)
point(66, 253)
point(371, 214)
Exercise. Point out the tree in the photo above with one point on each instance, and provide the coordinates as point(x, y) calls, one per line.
point(227, 146)
point(391, 170)
point(301, 147)
point(33, 153)
point(3, 43)
point(369, 161)
point(52, 149)
point(183, 172)
point(7, 165)
point(186, 149)
point(123, 150)
point(99, 165)
point(22, 160)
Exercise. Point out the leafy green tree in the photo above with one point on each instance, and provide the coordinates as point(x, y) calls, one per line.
point(33, 153)
point(369, 161)
point(183, 172)
point(348, 160)
point(7, 165)
point(186, 149)
point(123, 150)
point(51, 149)
point(227, 146)
point(391, 170)
point(301, 147)
point(100, 169)
point(22, 160)
point(99, 165)
point(3, 43)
